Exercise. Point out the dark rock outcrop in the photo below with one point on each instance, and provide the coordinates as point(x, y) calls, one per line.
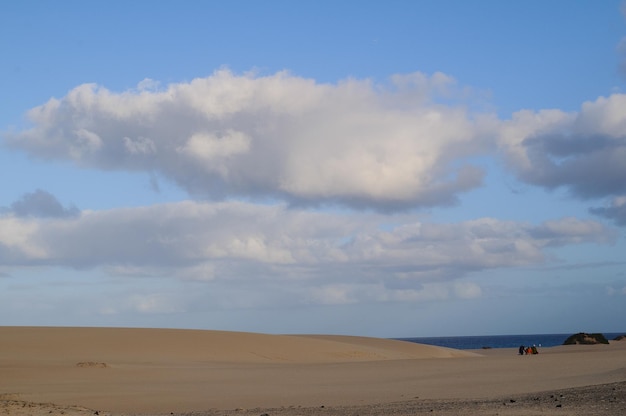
point(92, 364)
point(584, 338)
point(620, 338)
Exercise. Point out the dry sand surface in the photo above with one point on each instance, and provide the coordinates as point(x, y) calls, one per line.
point(80, 371)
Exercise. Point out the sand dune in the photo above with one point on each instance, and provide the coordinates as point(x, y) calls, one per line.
point(381, 349)
point(124, 345)
point(161, 371)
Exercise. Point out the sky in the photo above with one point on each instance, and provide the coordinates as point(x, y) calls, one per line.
point(389, 169)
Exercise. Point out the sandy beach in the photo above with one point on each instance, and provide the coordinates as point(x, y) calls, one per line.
point(120, 371)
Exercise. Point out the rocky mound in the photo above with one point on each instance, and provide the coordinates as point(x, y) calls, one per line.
point(91, 364)
point(620, 338)
point(587, 339)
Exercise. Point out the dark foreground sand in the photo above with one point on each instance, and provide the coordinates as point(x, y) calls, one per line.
point(72, 371)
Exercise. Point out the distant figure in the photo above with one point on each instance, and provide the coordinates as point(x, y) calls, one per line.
point(534, 349)
point(521, 349)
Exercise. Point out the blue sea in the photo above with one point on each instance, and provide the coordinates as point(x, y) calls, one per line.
point(500, 341)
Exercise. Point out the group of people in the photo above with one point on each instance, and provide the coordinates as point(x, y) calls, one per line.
point(528, 350)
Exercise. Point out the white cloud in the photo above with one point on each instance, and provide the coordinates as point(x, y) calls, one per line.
point(325, 257)
point(345, 294)
point(148, 84)
point(140, 145)
point(18, 241)
point(571, 231)
point(583, 152)
point(353, 142)
point(209, 147)
point(86, 142)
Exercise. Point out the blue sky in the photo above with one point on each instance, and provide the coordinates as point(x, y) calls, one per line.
point(389, 169)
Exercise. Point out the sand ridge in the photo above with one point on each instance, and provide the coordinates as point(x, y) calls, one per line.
point(124, 344)
point(394, 349)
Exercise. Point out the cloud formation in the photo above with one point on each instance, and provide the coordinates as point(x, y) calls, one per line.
point(339, 258)
point(387, 147)
point(583, 152)
point(287, 140)
point(40, 204)
point(353, 143)
point(615, 211)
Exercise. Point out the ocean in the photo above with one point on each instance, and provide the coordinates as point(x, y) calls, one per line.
point(499, 341)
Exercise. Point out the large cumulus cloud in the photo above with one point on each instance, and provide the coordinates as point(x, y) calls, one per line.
point(354, 143)
point(392, 146)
